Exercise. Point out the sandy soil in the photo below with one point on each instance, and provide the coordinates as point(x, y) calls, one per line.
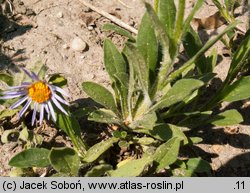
point(43, 31)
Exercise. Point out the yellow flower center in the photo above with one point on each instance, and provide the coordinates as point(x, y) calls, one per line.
point(39, 92)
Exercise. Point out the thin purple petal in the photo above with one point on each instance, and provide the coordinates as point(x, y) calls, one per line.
point(52, 111)
point(14, 92)
point(58, 105)
point(26, 83)
point(58, 89)
point(47, 110)
point(19, 102)
point(25, 108)
point(61, 99)
point(34, 114)
point(27, 73)
point(11, 96)
point(35, 77)
point(17, 87)
point(41, 113)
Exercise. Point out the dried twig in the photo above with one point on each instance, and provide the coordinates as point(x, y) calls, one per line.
point(124, 4)
point(110, 17)
point(240, 29)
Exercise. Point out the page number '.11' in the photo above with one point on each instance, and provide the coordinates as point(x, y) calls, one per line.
point(240, 185)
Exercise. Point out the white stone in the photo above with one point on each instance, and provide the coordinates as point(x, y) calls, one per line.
point(78, 44)
point(90, 27)
point(59, 14)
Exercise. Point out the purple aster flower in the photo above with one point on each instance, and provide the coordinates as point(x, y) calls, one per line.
point(42, 94)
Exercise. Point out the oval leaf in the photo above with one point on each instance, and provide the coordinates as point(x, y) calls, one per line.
point(180, 90)
point(167, 15)
point(118, 30)
point(98, 171)
point(139, 65)
point(113, 60)
point(167, 153)
point(132, 168)
point(34, 157)
point(192, 45)
point(146, 121)
point(239, 90)
point(104, 116)
point(98, 149)
point(230, 117)
point(147, 43)
point(65, 160)
point(58, 80)
point(71, 127)
point(100, 94)
point(198, 165)
point(165, 132)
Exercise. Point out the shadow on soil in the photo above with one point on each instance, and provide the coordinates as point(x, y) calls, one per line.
point(9, 30)
point(238, 165)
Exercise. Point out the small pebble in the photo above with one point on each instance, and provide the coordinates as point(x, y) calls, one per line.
point(90, 27)
point(78, 44)
point(59, 14)
point(65, 46)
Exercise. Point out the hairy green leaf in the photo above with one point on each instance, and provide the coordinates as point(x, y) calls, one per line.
point(240, 56)
point(146, 121)
point(167, 153)
point(118, 30)
point(33, 157)
point(58, 80)
point(165, 132)
point(139, 65)
point(226, 118)
point(65, 160)
point(113, 60)
point(98, 149)
point(198, 165)
point(132, 168)
point(179, 20)
point(71, 127)
point(192, 45)
point(100, 94)
point(99, 171)
point(180, 90)
point(210, 43)
point(147, 44)
point(104, 116)
point(167, 15)
point(239, 90)
point(122, 87)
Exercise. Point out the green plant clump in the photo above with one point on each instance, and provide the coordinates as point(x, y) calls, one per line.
point(154, 99)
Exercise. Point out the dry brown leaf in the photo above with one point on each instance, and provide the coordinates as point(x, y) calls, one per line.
point(89, 18)
point(212, 22)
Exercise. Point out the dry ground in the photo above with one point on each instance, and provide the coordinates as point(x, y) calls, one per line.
point(42, 30)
